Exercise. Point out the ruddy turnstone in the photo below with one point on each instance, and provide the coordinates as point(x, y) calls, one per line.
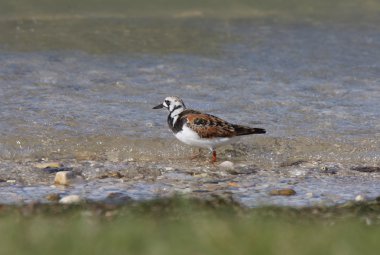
point(201, 129)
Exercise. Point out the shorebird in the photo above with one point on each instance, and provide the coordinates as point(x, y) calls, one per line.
point(201, 129)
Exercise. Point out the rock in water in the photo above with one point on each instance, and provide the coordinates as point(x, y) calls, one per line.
point(70, 199)
point(360, 198)
point(64, 177)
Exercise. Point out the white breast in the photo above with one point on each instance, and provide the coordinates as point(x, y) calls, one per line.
point(190, 137)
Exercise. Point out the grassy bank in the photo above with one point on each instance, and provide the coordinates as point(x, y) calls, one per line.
point(188, 227)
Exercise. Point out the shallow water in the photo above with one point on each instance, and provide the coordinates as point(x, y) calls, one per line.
point(81, 86)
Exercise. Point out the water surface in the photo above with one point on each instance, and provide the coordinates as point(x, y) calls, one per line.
point(79, 82)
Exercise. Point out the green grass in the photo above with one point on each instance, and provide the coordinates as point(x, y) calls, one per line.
point(188, 227)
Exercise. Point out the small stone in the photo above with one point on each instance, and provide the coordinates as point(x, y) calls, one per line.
point(48, 165)
point(11, 181)
point(111, 175)
point(309, 195)
point(63, 177)
point(70, 199)
point(233, 184)
point(282, 192)
point(201, 175)
point(360, 198)
point(227, 165)
point(54, 197)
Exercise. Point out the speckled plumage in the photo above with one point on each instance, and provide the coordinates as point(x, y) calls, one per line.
point(200, 129)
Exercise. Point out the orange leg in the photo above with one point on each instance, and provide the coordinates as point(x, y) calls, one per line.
point(213, 159)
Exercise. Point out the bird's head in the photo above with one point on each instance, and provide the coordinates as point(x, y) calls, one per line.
point(171, 103)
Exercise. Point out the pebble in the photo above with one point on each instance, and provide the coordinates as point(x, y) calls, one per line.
point(116, 174)
point(359, 198)
point(227, 165)
point(282, 192)
point(233, 184)
point(70, 199)
point(48, 165)
point(63, 177)
point(201, 175)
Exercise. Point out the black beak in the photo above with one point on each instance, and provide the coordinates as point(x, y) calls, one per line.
point(158, 106)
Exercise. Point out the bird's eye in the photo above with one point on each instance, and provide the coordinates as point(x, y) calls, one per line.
point(167, 102)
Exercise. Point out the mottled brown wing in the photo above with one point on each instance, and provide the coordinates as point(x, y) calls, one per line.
point(209, 126)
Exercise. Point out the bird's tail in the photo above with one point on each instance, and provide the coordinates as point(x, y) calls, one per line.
point(242, 130)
